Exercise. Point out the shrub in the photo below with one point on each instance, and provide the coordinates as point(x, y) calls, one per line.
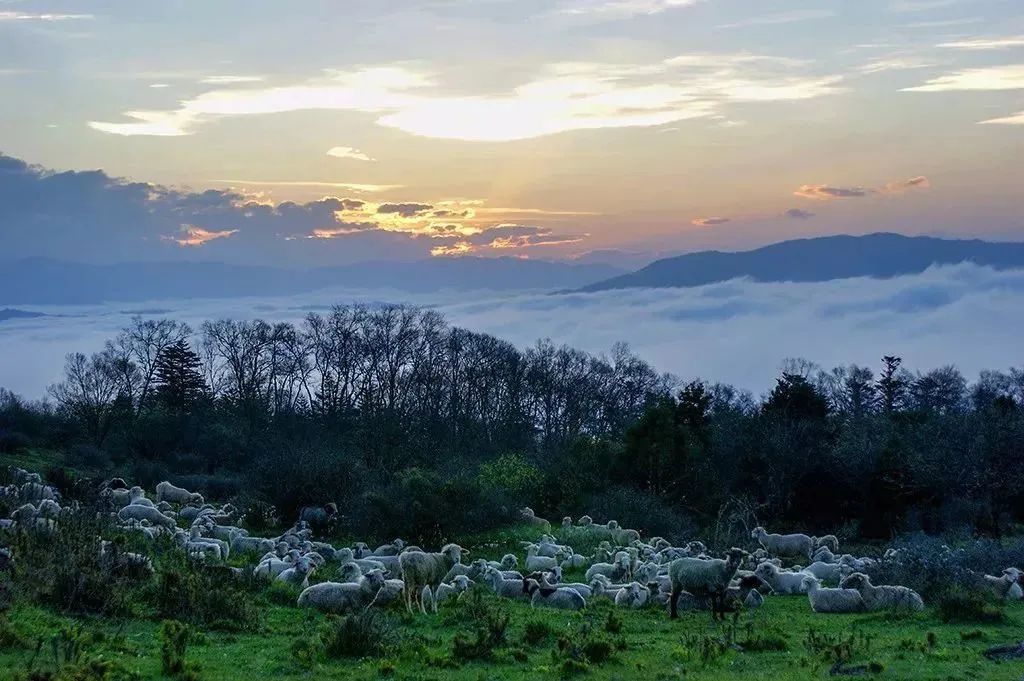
point(87, 456)
point(536, 631)
point(174, 639)
point(367, 634)
point(959, 604)
point(12, 441)
point(211, 599)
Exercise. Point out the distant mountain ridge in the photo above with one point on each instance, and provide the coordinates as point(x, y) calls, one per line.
point(43, 281)
point(881, 255)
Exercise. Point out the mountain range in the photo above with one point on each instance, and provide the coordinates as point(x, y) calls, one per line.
point(881, 255)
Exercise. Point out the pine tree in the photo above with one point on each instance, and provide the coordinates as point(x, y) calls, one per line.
point(179, 378)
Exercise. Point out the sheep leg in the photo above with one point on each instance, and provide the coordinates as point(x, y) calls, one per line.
point(673, 601)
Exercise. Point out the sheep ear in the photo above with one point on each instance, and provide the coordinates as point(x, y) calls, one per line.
point(465, 552)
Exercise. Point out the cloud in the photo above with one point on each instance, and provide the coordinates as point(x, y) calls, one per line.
point(197, 236)
point(920, 5)
point(406, 210)
point(35, 16)
point(230, 80)
point(348, 152)
point(824, 192)
point(736, 332)
point(708, 222)
point(1009, 77)
point(620, 9)
point(562, 97)
point(1018, 119)
point(985, 43)
point(502, 238)
point(895, 64)
point(350, 186)
point(798, 214)
point(782, 18)
point(900, 186)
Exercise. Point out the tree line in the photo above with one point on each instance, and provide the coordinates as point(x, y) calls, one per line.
point(380, 407)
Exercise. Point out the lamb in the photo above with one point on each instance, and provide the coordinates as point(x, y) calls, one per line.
point(508, 588)
point(633, 596)
point(333, 597)
point(702, 577)
point(389, 593)
point(832, 600)
point(471, 571)
point(535, 563)
point(784, 545)
point(617, 570)
point(299, 573)
point(443, 592)
point(139, 512)
point(421, 569)
point(746, 594)
point(272, 567)
point(780, 581)
point(883, 597)
point(165, 491)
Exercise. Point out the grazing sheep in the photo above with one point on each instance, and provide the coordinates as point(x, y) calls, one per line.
point(422, 569)
point(784, 545)
point(781, 582)
point(883, 597)
point(333, 597)
point(633, 596)
point(702, 578)
point(165, 491)
point(139, 512)
point(832, 600)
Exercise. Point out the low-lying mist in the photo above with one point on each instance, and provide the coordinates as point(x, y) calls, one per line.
point(735, 332)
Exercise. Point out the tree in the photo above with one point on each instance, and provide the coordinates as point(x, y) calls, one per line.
point(796, 398)
point(892, 385)
point(178, 377)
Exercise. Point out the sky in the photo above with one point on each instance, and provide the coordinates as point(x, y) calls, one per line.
point(319, 132)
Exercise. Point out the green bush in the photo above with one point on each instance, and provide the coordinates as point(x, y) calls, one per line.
point(211, 599)
point(536, 631)
point(367, 634)
point(959, 604)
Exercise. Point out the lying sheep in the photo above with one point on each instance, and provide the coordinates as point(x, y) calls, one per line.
point(832, 600)
point(165, 491)
point(827, 572)
point(422, 569)
point(299, 573)
point(829, 541)
point(785, 545)
point(781, 581)
point(508, 588)
point(337, 598)
point(883, 597)
point(392, 549)
point(242, 544)
point(633, 596)
point(554, 597)
point(614, 571)
point(702, 578)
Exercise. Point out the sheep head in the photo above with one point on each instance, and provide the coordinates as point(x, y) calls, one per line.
point(858, 580)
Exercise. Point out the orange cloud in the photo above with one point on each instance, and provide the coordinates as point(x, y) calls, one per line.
point(197, 236)
point(710, 222)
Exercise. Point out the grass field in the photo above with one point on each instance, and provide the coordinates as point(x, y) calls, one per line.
point(784, 640)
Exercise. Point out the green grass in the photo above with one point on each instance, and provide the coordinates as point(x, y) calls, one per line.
point(784, 640)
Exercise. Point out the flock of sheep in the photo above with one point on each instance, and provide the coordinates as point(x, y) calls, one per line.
point(630, 571)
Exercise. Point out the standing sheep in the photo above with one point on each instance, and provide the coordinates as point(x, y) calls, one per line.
point(784, 545)
point(702, 578)
point(427, 569)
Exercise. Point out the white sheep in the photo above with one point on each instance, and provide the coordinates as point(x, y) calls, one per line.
point(781, 581)
point(165, 491)
point(508, 588)
point(443, 592)
point(392, 549)
point(832, 600)
point(883, 597)
point(702, 578)
point(422, 569)
point(242, 544)
point(785, 545)
point(528, 516)
point(337, 598)
point(299, 573)
point(827, 572)
point(633, 596)
point(561, 599)
point(139, 512)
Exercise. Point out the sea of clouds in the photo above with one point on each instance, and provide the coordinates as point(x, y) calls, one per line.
point(737, 332)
